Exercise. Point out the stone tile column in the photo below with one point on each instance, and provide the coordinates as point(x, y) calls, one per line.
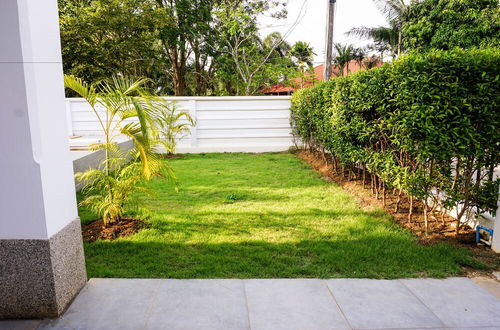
point(496, 232)
point(41, 256)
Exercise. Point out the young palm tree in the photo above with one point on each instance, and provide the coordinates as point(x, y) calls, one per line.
point(123, 108)
point(172, 125)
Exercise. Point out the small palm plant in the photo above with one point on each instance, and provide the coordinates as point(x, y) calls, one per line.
point(123, 108)
point(172, 125)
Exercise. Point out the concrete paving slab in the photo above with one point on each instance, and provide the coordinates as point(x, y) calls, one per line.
point(475, 328)
point(109, 304)
point(276, 304)
point(489, 284)
point(381, 304)
point(200, 304)
point(458, 302)
point(19, 324)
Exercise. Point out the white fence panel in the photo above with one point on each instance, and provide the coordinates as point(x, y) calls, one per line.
point(223, 124)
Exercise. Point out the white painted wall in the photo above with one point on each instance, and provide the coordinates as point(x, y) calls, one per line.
point(37, 193)
point(223, 124)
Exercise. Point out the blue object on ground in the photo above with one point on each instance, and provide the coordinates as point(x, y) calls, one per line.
point(478, 236)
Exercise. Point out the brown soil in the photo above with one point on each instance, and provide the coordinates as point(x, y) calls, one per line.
point(125, 227)
point(440, 228)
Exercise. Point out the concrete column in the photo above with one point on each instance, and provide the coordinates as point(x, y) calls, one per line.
point(41, 256)
point(496, 231)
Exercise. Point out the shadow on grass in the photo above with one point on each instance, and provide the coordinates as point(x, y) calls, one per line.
point(374, 257)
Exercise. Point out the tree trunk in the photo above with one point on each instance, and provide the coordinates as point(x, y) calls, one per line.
point(383, 194)
point(398, 201)
point(426, 216)
point(364, 176)
point(410, 210)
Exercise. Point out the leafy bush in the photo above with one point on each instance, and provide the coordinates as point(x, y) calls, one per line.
point(426, 125)
point(447, 24)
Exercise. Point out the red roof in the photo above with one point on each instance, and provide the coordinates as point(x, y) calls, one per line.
point(278, 88)
point(312, 77)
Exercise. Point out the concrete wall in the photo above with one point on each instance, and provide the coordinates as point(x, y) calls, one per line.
point(223, 124)
point(85, 160)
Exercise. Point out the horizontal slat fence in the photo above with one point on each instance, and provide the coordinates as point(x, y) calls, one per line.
point(223, 124)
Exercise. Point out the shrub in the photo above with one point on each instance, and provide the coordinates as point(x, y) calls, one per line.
point(426, 125)
point(131, 112)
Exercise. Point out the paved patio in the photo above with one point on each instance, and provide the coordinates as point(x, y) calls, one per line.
point(454, 303)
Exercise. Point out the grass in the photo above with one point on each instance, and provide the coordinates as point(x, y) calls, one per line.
point(264, 216)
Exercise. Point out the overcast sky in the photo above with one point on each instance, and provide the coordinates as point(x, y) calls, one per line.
point(312, 22)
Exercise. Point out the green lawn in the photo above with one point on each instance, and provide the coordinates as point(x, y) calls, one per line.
point(262, 216)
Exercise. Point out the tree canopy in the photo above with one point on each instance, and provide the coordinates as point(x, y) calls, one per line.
point(200, 47)
point(447, 24)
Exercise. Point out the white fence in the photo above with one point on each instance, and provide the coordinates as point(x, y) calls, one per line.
point(223, 124)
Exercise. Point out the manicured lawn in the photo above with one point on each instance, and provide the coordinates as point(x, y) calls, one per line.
point(262, 216)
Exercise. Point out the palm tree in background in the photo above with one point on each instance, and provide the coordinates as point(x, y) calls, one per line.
point(275, 39)
point(390, 37)
point(343, 55)
point(384, 38)
point(303, 55)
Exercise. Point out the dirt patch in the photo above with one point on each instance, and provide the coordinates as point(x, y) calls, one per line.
point(441, 227)
point(125, 227)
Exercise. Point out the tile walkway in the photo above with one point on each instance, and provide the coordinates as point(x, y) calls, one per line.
point(274, 304)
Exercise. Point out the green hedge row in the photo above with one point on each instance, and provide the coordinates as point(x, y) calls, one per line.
point(427, 125)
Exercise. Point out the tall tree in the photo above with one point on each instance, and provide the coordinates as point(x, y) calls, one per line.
point(101, 38)
point(446, 24)
point(390, 37)
point(238, 26)
point(182, 26)
point(384, 38)
point(302, 54)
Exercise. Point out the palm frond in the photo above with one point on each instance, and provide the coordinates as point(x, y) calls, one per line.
point(85, 90)
point(393, 10)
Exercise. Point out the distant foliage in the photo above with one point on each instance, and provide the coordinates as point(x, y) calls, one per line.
point(426, 125)
point(447, 24)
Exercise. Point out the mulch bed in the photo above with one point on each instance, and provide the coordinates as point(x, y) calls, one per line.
point(441, 228)
point(96, 230)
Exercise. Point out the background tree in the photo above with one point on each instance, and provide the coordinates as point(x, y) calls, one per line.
point(253, 60)
point(385, 39)
point(446, 24)
point(101, 38)
point(343, 55)
point(183, 28)
point(200, 47)
point(303, 55)
point(391, 37)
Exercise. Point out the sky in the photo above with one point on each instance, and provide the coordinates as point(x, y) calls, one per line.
point(312, 22)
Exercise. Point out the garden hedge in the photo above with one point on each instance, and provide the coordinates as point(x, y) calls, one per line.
point(427, 125)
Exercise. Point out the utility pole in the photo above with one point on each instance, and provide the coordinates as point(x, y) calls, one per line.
point(329, 38)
